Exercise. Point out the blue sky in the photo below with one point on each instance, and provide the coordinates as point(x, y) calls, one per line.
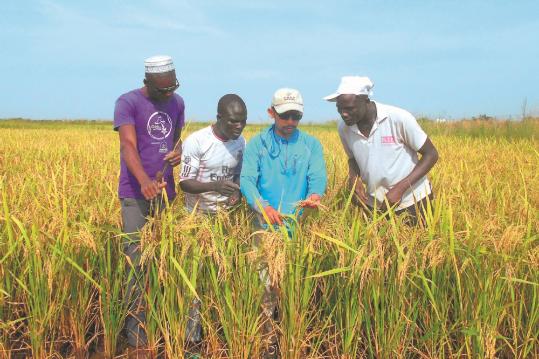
point(72, 59)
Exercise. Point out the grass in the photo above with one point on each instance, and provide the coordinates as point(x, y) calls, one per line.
point(467, 285)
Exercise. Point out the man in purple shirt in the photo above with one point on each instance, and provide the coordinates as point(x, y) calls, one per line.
point(149, 121)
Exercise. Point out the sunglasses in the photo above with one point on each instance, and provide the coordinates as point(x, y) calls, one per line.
point(165, 90)
point(294, 115)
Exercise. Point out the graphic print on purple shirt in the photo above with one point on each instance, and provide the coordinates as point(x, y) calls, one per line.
point(155, 124)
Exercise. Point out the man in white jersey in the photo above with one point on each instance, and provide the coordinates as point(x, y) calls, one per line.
point(212, 157)
point(211, 166)
point(382, 143)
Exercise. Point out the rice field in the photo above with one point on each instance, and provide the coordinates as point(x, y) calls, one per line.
point(464, 286)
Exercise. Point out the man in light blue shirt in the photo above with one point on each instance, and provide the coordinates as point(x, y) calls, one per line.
point(283, 168)
point(283, 171)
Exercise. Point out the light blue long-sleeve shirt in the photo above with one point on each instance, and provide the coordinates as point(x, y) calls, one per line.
point(280, 172)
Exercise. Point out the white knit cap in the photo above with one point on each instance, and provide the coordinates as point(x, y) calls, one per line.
point(158, 64)
point(352, 85)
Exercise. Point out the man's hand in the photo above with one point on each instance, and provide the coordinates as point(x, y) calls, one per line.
point(394, 196)
point(359, 196)
point(313, 201)
point(225, 188)
point(273, 216)
point(151, 189)
point(234, 199)
point(174, 158)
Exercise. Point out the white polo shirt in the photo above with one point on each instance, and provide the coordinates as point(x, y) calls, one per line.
point(388, 154)
point(207, 158)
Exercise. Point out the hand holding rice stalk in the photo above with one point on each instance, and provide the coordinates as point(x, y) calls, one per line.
point(234, 199)
point(313, 201)
point(172, 158)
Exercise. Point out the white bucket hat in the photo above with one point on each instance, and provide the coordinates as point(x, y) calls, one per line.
point(352, 85)
point(287, 99)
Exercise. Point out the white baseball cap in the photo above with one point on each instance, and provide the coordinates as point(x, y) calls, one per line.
point(287, 99)
point(352, 85)
point(158, 64)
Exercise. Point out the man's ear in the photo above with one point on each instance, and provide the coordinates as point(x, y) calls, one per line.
point(364, 98)
point(271, 112)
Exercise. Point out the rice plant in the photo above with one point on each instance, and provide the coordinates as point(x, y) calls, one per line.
point(350, 285)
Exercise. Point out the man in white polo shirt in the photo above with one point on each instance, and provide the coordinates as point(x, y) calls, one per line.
point(382, 143)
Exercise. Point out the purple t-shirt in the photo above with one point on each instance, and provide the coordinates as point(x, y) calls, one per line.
point(155, 124)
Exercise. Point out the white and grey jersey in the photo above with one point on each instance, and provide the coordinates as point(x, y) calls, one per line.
point(207, 158)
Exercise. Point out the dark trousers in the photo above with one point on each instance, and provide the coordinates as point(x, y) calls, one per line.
point(270, 297)
point(415, 214)
point(135, 213)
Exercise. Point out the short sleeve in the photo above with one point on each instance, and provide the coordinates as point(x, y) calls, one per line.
point(124, 113)
point(412, 134)
point(190, 159)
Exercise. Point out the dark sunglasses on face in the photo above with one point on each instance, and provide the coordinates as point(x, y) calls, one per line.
point(294, 115)
point(165, 90)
